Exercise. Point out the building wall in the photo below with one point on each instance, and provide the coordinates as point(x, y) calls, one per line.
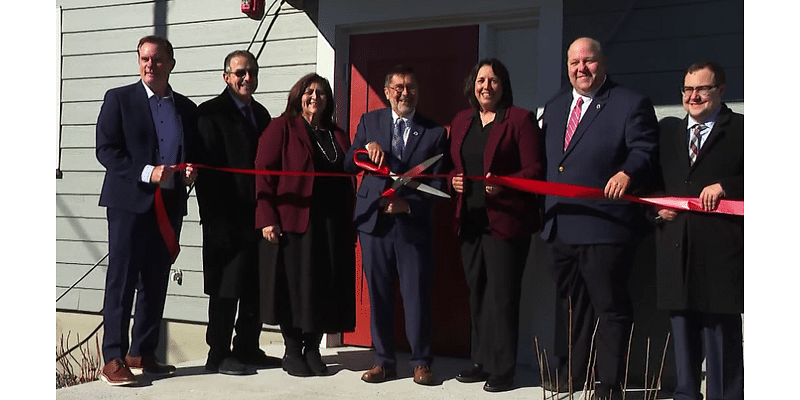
point(98, 48)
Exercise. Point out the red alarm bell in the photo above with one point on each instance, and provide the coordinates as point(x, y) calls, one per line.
point(253, 8)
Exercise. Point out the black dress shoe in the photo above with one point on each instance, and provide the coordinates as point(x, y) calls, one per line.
point(258, 359)
point(474, 374)
point(228, 366)
point(315, 363)
point(498, 384)
point(296, 366)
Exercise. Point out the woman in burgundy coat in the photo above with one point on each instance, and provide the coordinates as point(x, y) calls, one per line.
point(494, 223)
point(308, 251)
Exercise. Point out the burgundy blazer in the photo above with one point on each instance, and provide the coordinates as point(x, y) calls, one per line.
point(514, 148)
point(285, 200)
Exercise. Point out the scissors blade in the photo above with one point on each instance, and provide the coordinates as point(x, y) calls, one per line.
point(405, 178)
point(427, 189)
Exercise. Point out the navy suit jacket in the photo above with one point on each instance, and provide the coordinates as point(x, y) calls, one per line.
point(425, 140)
point(126, 141)
point(618, 132)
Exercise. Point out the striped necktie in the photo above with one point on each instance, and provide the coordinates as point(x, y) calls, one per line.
point(574, 119)
point(694, 142)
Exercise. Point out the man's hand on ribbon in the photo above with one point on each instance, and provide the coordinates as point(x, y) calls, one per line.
point(617, 185)
point(710, 196)
point(189, 174)
point(376, 153)
point(161, 174)
point(271, 233)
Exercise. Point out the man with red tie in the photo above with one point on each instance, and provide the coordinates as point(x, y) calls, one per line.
point(700, 256)
point(597, 134)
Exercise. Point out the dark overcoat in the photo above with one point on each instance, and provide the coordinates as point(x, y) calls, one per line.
point(700, 256)
point(227, 200)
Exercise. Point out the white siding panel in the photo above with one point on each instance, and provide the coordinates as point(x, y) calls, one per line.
point(123, 16)
point(96, 229)
point(81, 159)
point(79, 206)
point(89, 300)
point(79, 113)
point(187, 308)
point(73, 136)
point(80, 183)
point(69, 273)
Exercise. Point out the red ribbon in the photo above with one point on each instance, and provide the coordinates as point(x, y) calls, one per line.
point(734, 207)
point(165, 226)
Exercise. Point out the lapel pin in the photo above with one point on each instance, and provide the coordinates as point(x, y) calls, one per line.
point(415, 133)
point(598, 106)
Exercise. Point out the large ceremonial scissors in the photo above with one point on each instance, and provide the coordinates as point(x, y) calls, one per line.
point(405, 179)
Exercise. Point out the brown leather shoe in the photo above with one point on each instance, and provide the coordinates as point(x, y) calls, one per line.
point(423, 375)
point(378, 374)
point(116, 373)
point(148, 364)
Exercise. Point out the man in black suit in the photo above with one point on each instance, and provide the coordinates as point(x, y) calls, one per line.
point(700, 256)
point(601, 135)
point(396, 236)
point(142, 129)
point(229, 126)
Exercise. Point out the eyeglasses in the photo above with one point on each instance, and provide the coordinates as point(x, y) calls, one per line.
point(243, 71)
point(703, 91)
point(400, 88)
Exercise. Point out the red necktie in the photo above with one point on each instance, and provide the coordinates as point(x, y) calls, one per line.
point(574, 119)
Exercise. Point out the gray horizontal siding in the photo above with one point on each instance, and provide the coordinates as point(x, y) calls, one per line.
point(98, 49)
point(649, 43)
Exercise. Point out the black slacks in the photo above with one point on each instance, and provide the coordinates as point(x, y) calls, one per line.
point(593, 279)
point(493, 269)
point(223, 318)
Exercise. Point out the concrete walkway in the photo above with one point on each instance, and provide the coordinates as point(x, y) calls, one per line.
point(346, 364)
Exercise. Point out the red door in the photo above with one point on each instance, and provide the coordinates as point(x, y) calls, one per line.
point(442, 58)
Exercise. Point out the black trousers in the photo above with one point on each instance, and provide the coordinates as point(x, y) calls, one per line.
point(721, 337)
point(223, 318)
point(592, 280)
point(493, 269)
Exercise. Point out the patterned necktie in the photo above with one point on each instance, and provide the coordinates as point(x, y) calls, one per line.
point(574, 119)
point(397, 138)
point(694, 142)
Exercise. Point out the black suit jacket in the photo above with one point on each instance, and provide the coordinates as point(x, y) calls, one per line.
point(126, 141)
point(227, 200)
point(700, 256)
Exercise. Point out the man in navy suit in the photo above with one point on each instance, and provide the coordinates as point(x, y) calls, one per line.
point(600, 135)
point(396, 235)
point(142, 129)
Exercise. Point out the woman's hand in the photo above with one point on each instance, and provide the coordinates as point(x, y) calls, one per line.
point(271, 233)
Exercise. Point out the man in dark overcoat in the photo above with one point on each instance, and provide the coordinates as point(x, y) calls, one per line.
point(700, 255)
point(229, 126)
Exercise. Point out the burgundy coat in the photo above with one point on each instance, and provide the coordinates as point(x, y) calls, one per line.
point(514, 148)
point(285, 200)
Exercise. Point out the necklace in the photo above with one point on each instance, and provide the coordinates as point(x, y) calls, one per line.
point(325, 153)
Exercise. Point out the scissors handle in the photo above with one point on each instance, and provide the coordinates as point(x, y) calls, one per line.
point(369, 165)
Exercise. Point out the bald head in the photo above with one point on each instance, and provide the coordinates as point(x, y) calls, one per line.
point(586, 65)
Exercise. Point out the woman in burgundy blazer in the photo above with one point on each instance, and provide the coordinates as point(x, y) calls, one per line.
point(307, 256)
point(494, 223)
